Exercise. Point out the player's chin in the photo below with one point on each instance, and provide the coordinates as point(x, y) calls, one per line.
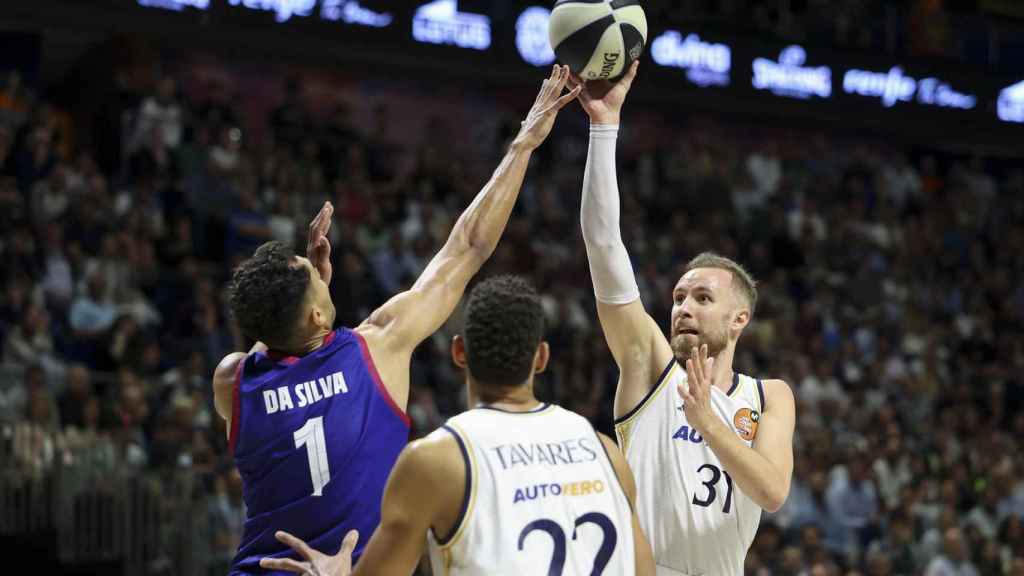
point(682, 344)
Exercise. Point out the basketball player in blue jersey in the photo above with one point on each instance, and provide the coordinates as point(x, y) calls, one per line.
point(316, 416)
point(512, 486)
point(710, 448)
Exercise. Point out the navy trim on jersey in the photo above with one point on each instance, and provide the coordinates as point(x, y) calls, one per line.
point(540, 408)
point(371, 367)
point(735, 383)
point(647, 396)
point(612, 464)
point(760, 394)
point(465, 496)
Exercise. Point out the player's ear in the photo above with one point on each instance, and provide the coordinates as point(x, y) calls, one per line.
point(740, 318)
point(541, 357)
point(459, 351)
point(319, 317)
point(316, 316)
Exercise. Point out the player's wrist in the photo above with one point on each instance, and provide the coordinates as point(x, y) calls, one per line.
point(604, 130)
point(712, 428)
point(604, 118)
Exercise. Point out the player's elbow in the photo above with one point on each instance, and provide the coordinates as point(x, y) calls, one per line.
point(471, 247)
point(479, 252)
point(774, 504)
point(773, 497)
point(601, 238)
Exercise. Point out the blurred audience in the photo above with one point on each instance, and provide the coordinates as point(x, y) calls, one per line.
point(891, 289)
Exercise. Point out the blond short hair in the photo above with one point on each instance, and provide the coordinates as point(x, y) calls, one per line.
point(743, 282)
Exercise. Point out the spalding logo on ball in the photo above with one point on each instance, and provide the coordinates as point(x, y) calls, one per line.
point(598, 39)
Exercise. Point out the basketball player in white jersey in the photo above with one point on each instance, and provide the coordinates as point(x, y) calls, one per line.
point(710, 448)
point(513, 486)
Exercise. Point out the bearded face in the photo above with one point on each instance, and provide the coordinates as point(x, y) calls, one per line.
point(702, 311)
point(716, 336)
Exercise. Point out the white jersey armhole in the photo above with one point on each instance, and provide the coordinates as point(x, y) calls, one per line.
point(469, 496)
point(624, 424)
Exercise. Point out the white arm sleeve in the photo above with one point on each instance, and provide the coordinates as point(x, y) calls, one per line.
point(610, 268)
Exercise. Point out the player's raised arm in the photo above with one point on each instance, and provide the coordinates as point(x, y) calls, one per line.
point(637, 343)
point(408, 318)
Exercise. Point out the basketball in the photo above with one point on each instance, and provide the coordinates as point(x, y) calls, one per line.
point(597, 40)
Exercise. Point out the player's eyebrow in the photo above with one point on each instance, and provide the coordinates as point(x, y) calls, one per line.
point(696, 288)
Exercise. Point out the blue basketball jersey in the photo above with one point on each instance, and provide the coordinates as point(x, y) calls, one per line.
point(314, 439)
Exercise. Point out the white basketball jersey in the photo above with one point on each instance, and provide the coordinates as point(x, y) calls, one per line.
point(541, 498)
point(698, 521)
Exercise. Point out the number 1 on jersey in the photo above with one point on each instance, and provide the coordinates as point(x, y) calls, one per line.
point(312, 436)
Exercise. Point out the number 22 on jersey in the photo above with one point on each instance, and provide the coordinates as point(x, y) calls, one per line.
point(604, 554)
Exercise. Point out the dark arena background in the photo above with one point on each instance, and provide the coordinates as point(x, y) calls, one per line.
point(864, 159)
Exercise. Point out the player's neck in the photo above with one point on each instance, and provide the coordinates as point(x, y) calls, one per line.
point(307, 345)
point(511, 398)
point(722, 370)
point(316, 341)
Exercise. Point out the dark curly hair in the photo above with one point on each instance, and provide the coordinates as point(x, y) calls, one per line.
point(504, 326)
point(266, 294)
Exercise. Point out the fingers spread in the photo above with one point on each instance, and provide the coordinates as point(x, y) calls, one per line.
point(295, 543)
point(631, 73)
point(684, 393)
point(555, 87)
point(349, 543)
point(568, 97)
point(563, 78)
point(702, 361)
point(325, 224)
point(283, 564)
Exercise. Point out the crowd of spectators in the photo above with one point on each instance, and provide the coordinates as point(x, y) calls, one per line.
point(891, 294)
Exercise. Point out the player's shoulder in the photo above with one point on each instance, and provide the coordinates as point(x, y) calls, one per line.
point(224, 380)
point(436, 457)
point(438, 446)
point(228, 367)
point(777, 393)
point(440, 440)
point(609, 445)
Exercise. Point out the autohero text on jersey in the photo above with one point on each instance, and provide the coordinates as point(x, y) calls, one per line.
point(542, 491)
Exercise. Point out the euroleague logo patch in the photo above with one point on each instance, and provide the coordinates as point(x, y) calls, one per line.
point(745, 421)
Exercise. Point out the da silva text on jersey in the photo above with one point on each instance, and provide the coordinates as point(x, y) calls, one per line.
point(304, 393)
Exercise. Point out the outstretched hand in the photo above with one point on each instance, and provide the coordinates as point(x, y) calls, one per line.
point(318, 247)
point(317, 563)
point(602, 99)
point(545, 108)
point(696, 391)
